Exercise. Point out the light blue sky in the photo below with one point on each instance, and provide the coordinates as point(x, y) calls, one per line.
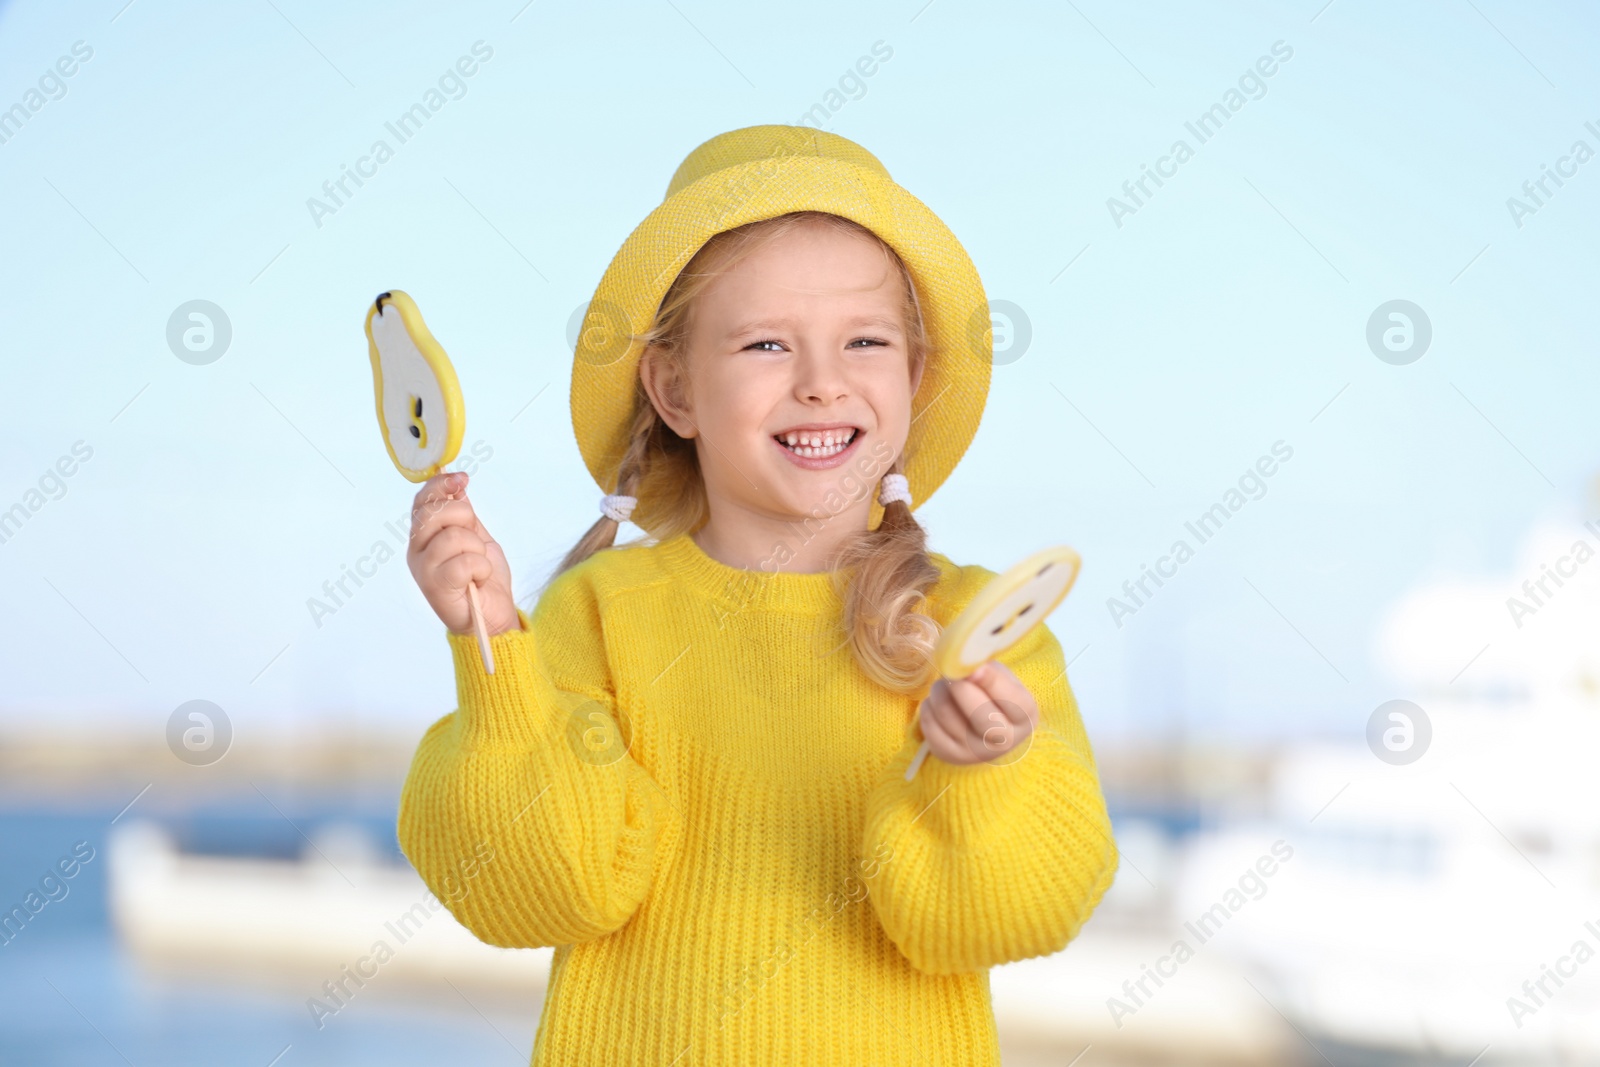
point(1227, 314)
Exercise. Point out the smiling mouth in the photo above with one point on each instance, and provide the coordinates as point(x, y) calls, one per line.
point(816, 444)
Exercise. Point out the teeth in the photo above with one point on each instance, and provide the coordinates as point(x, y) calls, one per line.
point(817, 444)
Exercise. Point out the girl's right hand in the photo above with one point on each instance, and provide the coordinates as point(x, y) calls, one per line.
point(448, 548)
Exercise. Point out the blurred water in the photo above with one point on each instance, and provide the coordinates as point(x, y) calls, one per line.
point(71, 995)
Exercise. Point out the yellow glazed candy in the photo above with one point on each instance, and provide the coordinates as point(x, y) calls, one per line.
point(420, 410)
point(1005, 610)
point(1003, 613)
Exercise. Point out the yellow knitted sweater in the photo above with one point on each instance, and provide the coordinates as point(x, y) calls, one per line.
point(679, 777)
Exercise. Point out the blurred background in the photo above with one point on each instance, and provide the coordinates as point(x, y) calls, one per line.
point(1305, 287)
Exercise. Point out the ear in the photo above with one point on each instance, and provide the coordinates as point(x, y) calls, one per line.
point(667, 391)
point(916, 373)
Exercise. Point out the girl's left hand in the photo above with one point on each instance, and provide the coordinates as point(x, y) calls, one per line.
point(980, 717)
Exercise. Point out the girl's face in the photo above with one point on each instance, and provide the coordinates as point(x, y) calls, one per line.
point(800, 381)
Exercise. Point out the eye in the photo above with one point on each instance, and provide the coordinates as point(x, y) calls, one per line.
point(868, 341)
point(758, 344)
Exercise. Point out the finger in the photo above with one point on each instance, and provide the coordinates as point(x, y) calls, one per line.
point(970, 697)
point(997, 734)
point(973, 733)
point(439, 488)
point(456, 511)
point(943, 710)
point(451, 543)
point(940, 743)
point(996, 676)
point(995, 669)
point(996, 694)
point(467, 567)
point(1006, 691)
point(452, 539)
point(429, 520)
point(992, 677)
point(997, 722)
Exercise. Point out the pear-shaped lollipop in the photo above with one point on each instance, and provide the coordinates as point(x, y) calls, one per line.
point(420, 411)
point(1003, 613)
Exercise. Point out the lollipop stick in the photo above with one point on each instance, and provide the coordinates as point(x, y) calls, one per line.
point(477, 623)
point(916, 761)
point(922, 752)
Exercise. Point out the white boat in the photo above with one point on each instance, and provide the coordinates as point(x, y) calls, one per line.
point(1449, 906)
point(335, 923)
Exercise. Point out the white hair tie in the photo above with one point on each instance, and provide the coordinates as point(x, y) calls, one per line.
point(617, 507)
point(894, 487)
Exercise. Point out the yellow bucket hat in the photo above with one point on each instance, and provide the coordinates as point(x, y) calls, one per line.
point(760, 172)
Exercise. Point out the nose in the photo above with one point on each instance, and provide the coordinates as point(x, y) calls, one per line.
point(819, 377)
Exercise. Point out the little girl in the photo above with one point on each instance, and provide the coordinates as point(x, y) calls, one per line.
point(688, 771)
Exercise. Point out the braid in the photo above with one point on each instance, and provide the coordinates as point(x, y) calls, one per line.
point(630, 472)
point(893, 574)
point(652, 447)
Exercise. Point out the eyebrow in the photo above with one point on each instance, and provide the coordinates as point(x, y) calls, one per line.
point(770, 325)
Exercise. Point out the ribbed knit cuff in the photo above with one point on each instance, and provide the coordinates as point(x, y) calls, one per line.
point(502, 708)
point(973, 801)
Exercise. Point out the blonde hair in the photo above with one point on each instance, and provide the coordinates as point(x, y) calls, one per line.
point(881, 575)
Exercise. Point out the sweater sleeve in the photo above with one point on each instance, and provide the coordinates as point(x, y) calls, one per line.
point(973, 866)
point(522, 811)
